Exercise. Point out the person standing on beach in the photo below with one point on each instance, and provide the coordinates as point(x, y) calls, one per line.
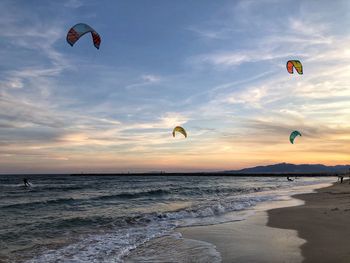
point(340, 178)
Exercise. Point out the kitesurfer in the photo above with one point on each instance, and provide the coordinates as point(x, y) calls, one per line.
point(25, 182)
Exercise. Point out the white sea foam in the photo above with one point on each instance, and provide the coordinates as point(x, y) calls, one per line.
point(111, 218)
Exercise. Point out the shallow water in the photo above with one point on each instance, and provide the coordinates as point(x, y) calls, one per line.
point(101, 219)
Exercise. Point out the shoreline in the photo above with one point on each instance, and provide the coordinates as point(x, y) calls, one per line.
point(250, 240)
point(323, 221)
point(245, 241)
point(257, 239)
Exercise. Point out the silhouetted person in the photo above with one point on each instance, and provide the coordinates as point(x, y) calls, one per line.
point(340, 178)
point(291, 180)
point(26, 183)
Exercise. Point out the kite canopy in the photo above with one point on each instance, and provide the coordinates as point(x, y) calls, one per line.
point(293, 135)
point(81, 29)
point(180, 130)
point(294, 64)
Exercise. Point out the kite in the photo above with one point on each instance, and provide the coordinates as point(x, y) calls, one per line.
point(296, 64)
point(293, 135)
point(180, 130)
point(81, 29)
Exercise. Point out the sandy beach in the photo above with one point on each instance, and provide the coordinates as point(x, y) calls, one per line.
point(251, 240)
point(323, 221)
point(309, 228)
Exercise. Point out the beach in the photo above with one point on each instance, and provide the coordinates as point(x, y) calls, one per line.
point(251, 240)
point(323, 221)
point(312, 227)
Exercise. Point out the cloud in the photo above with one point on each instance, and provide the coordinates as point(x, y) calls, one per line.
point(73, 4)
point(151, 78)
point(233, 94)
point(212, 34)
point(147, 79)
point(251, 97)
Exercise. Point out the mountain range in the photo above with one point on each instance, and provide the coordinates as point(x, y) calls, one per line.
point(288, 168)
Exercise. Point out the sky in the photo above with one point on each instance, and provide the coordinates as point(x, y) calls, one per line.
point(217, 68)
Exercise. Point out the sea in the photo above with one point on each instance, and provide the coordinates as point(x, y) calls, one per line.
point(63, 218)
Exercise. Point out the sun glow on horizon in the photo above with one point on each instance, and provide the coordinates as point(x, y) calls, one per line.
point(220, 72)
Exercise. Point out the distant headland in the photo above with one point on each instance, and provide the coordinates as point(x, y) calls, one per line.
point(280, 169)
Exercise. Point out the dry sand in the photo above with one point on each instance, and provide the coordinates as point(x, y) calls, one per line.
point(323, 221)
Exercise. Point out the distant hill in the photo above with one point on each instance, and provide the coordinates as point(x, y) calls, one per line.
point(288, 168)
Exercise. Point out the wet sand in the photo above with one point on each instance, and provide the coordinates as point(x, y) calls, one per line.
point(251, 240)
point(307, 228)
point(323, 221)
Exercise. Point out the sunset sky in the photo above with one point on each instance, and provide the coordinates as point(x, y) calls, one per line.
point(217, 68)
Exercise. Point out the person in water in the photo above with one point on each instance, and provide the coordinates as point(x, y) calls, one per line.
point(289, 179)
point(26, 183)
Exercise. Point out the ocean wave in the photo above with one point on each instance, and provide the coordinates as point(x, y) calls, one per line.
point(105, 223)
point(162, 250)
point(150, 193)
point(108, 247)
point(184, 191)
point(58, 188)
point(38, 203)
point(223, 190)
point(174, 218)
point(156, 192)
point(71, 201)
point(131, 232)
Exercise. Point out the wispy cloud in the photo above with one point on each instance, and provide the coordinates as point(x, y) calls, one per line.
point(220, 74)
point(73, 4)
point(151, 78)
